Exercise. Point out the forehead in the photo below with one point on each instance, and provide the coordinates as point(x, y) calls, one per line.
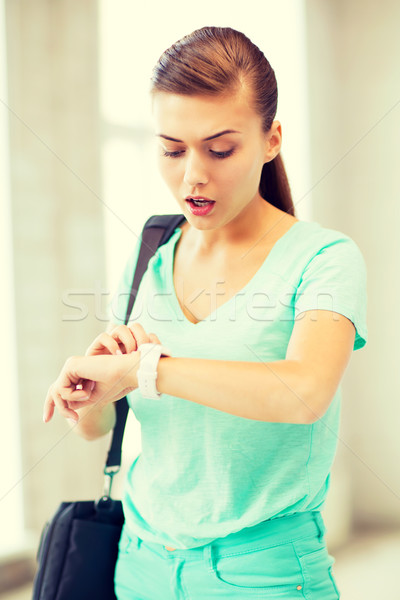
point(196, 117)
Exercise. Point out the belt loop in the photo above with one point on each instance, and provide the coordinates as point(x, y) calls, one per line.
point(129, 541)
point(208, 557)
point(319, 523)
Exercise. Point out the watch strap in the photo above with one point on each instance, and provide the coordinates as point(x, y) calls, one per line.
point(147, 373)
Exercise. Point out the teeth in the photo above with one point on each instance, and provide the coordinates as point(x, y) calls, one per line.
point(200, 202)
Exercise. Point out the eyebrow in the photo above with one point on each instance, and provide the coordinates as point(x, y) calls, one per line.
point(211, 137)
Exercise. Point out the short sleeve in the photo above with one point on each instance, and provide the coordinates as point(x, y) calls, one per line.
point(119, 303)
point(335, 279)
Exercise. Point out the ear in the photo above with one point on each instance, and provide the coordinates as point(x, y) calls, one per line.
point(273, 141)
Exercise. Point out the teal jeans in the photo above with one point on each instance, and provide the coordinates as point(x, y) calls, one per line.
point(280, 558)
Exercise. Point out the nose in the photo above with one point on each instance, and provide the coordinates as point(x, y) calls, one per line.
point(195, 171)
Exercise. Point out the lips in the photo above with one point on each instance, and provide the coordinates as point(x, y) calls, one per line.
point(199, 205)
point(199, 199)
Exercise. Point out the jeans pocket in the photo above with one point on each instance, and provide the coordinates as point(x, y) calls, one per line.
point(275, 569)
point(332, 577)
point(317, 573)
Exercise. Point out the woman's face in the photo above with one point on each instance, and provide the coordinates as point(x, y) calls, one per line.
point(212, 148)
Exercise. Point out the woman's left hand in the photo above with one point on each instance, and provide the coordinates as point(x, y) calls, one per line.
point(102, 379)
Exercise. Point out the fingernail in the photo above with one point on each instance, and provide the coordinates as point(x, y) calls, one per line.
point(118, 352)
point(73, 421)
point(44, 419)
point(92, 386)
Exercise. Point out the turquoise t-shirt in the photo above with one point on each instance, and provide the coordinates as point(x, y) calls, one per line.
point(203, 473)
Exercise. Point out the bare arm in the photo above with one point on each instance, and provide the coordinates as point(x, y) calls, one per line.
point(295, 390)
point(94, 420)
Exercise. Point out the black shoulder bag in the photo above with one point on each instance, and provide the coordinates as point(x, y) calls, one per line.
point(79, 545)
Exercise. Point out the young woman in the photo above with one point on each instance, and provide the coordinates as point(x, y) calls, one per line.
point(260, 312)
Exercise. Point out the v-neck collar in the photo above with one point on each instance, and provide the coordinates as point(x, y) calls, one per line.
point(268, 261)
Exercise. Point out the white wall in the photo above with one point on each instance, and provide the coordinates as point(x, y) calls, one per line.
point(57, 237)
point(11, 515)
point(354, 50)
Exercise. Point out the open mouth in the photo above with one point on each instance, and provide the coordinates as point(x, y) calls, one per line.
point(200, 202)
point(200, 206)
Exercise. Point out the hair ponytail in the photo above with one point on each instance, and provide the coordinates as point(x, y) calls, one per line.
point(221, 60)
point(274, 185)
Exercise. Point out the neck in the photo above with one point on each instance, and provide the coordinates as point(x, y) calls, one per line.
point(252, 224)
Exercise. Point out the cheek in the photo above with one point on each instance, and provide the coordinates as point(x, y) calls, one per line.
point(169, 171)
point(243, 174)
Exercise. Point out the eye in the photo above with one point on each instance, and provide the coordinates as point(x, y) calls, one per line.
point(175, 154)
point(222, 154)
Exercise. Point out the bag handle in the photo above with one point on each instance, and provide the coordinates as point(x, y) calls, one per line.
point(157, 231)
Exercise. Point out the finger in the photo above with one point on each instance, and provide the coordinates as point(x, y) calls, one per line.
point(73, 375)
point(104, 370)
point(88, 386)
point(48, 409)
point(63, 409)
point(69, 388)
point(78, 395)
point(154, 339)
point(84, 385)
point(125, 338)
point(102, 344)
point(139, 333)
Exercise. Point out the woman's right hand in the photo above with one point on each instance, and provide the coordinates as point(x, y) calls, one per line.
point(121, 339)
point(118, 339)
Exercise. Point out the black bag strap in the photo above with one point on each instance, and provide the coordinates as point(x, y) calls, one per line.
point(156, 232)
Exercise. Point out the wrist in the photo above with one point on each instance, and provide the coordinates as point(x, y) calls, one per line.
point(162, 373)
point(147, 373)
point(129, 368)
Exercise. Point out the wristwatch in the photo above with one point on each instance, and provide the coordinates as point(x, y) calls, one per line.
point(147, 373)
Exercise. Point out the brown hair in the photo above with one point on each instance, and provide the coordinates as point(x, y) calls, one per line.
point(219, 60)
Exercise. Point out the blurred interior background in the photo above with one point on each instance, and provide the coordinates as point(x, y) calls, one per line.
point(78, 178)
